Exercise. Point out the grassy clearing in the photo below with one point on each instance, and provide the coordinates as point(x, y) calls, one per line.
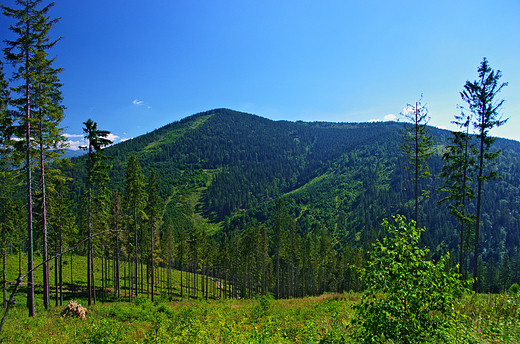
point(325, 319)
point(232, 321)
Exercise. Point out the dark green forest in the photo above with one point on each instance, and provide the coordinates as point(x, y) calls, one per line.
point(341, 179)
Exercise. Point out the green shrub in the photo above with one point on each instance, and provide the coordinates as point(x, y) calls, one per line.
point(514, 289)
point(409, 299)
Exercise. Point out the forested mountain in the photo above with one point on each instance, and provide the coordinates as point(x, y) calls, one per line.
point(224, 169)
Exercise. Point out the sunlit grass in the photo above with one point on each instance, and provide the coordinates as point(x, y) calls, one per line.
point(327, 318)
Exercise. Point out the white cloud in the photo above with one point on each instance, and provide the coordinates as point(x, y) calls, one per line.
point(137, 102)
point(112, 137)
point(74, 145)
point(389, 117)
point(374, 120)
point(72, 135)
point(123, 139)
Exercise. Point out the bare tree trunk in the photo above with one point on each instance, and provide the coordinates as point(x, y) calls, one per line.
point(30, 243)
point(46, 292)
point(89, 248)
point(117, 268)
point(151, 255)
point(476, 282)
point(4, 277)
point(56, 268)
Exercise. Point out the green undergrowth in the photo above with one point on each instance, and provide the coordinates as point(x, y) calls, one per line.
point(325, 319)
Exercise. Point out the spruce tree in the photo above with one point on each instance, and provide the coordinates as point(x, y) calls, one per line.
point(117, 224)
point(480, 97)
point(281, 222)
point(135, 199)
point(417, 145)
point(50, 143)
point(97, 177)
point(62, 219)
point(28, 52)
point(457, 174)
point(154, 216)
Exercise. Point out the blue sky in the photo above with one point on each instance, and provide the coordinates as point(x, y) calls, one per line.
point(134, 66)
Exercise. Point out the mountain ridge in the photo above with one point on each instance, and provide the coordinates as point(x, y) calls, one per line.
point(345, 176)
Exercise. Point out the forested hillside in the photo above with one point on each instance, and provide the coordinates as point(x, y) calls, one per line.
point(224, 170)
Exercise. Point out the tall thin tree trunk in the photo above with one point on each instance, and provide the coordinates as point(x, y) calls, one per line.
point(71, 277)
point(56, 268)
point(30, 244)
point(93, 279)
point(151, 257)
point(117, 267)
point(135, 242)
point(89, 248)
point(461, 255)
point(61, 267)
point(477, 225)
point(45, 267)
point(416, 166)
point(103, 281)
point(4, 277)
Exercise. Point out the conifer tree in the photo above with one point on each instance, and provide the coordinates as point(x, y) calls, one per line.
point(281, 222)
point(417, 145)
point(97, 177)
point(117, 223)
point(28, 51)
point(49, 140)
point(504, 274)
point(135, 199)
point(458, 176)
point(480, 97)
point(7, 176)
point(63, 221)
point(153, 213)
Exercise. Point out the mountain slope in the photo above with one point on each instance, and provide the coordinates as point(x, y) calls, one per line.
point(346, 176)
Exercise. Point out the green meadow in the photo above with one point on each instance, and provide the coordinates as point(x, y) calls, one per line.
point(329, 318)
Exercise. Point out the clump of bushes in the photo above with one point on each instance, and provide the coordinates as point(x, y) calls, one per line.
point(409, 298)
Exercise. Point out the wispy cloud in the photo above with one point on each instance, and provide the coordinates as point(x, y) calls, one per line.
point(374, 120)
point(137, 102)
point(72, 135)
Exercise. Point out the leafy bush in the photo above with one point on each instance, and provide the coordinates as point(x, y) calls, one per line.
point(409, 299)
point(514, 289)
